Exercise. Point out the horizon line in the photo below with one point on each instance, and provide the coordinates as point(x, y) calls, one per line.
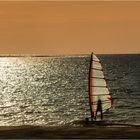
point(62, 55)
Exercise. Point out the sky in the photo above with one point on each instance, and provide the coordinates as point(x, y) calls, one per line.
point(69, 27)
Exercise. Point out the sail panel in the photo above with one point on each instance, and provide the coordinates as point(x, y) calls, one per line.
point(97, 73)
point(98, 91)
point(95, 58)
point(99, 83)
point(97, 65)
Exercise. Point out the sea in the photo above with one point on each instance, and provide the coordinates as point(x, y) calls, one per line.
point(53, 90)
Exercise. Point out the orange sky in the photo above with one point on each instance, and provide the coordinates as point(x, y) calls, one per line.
point(69, 27)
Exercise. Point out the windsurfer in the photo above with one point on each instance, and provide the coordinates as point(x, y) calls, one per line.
point(99, 109)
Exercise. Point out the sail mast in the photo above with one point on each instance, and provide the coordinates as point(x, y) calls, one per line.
point(90, 87)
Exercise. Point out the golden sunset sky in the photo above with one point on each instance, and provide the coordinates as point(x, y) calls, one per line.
point(62, 27)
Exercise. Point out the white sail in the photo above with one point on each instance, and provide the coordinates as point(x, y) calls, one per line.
point(98, 91)
point(95, 58)
point(98, 87)
point(99, 83)
point(97, 66)
point(97, 73)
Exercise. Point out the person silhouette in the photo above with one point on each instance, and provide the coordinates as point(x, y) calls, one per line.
point(99, 109)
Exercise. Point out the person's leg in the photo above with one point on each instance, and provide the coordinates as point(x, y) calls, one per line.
point(101, 115)
point(95, 115)
point(95, 118)
point(87, 120)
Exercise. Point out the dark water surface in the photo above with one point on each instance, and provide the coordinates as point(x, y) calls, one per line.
point(53, 91)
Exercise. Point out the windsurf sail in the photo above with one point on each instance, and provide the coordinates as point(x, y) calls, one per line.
point(98, 87)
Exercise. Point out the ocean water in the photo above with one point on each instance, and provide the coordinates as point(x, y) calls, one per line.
point(53, 91)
